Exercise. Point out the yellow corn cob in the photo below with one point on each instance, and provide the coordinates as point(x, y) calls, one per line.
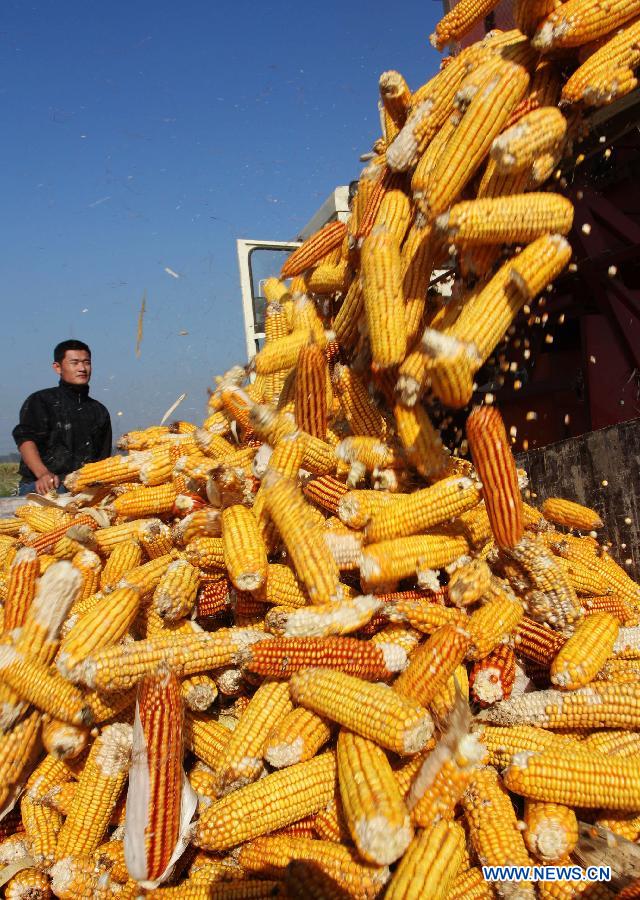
point(579, 779)
point(356, 508)
point(314, 248)
point(376, 815)
point(161, 724)
point(101, 626)
point(64, 741)
point(586, 651)
point(423, 509)
point(310, 556)
point(29, 883)
point(296, 738)
point(89, 565)
point(365, 454)
point(200, 523)
point(146, 501)
point(493, 827)
point(394, 213)
point(206, 552)
point(113, 470)
point(206, 738)
point(283, 797)
point(272, 855)
point(242, 761)
point(493, 622)
point(570, 514)
point(99, 787)
point(77, 877)
point(484, 119)
point(175, 595)
point(329, 278)
point(431, 104)
point(244, 550)
point(41, 824)
point(537, 133)
point(470, 884)
point(186, 653)
point(459, 21)
point(396, 99)
point(422, 443)
point(371, 710)
point(360, 411)
point(469, 583)
point(383, 300)
point(599, 705)
point(390, 561)
point(431, 863)
point(616, 743)
point(425, 615)
point(36, 683)
point(498, 220)
point(322, 619)
point(607, 74)
point(575, 23)
point(624, 824)
point(445, 700)
point(432, 664)
point(311, 391)
point(551, 832)
point(108, 538)
point(552, 598)
point(21, 587)
point(503, 742)
point(157, 469)
point(347, 321)
point(146, 577)
point(199, 692)
point(537, 641)
point(282, 353)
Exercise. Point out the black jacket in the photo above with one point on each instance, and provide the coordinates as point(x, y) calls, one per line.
point(68, 427)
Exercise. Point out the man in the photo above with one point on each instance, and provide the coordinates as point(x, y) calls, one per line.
point(61, 428)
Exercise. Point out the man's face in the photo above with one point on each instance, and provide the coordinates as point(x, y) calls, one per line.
point(75, 367)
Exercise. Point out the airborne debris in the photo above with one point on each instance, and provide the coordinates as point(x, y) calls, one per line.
point(171, 272)
point(143, 307)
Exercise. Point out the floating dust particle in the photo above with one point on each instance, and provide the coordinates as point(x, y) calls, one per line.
point(143, 307)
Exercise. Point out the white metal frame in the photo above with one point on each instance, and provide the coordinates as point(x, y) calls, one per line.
point(245, 248)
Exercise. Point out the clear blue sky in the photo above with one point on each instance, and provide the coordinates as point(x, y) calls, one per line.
point(139, 136)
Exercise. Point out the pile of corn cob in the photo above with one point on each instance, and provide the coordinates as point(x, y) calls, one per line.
point(302, 650)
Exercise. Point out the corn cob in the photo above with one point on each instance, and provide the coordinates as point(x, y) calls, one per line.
point(205, 737)
point(47, 541)
point(503, 743)
point(432, 664)
point(278, 658)
point(175, 595)
point(325, 492)
point(361, 412)
point(492, 678)
point(493, 827)
point(99, 787)
point(599, 705)
point(36, 683)
point(113, 470)
point(242, 761)
point(206, 552)
point(29, 884)
point(569, 514)
point(459, 21)
point(496, 468)
point(422, 443)
point(537, 641)
point(431, 863)
point(374, 810)
point(424, 615)
point(272, 855)
point(310, 556)
point(346, 323)
point(383, 300)
point(552, 830)
point(469, 583)
point(101, 626)
point(608, 73)
point(498, 220)
point(484, 119)
point(145, 501)
point(154, 797)
point(64, 741)
point(122, 666)
point(21, 587)
point(470, 884)
point(198, 692)
point(313, 249)
point(296, 738)
point(494, 621)
point(575, 779)
point(322, 620)
point(423, 509)
point(575, 23)
point(394, 213)
point(89, 565)
point(585, 652)
point(284, 797)
point(77, 877)
point(390, 561)
point(372, 710)
point(396, 99)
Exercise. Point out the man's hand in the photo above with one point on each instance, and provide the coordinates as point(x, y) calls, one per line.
point(47, 482)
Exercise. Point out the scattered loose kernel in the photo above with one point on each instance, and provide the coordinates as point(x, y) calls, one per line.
point(586, 228)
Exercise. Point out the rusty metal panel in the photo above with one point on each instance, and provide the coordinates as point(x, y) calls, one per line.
point(602, 470)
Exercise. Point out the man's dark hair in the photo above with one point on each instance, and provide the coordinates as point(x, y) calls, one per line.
point(63, 346)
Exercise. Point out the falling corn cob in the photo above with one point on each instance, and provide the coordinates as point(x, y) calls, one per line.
point(575, 23)
point(499, 220)
point(608, 73)
point(460, 20)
